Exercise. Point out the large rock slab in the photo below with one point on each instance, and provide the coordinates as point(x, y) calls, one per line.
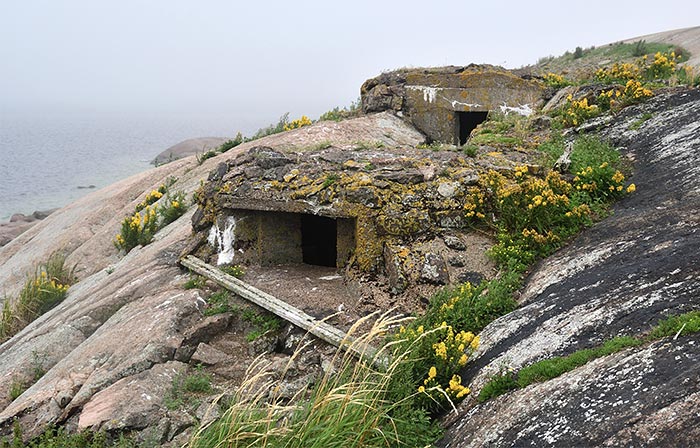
point(619, 278)
point(640, 397)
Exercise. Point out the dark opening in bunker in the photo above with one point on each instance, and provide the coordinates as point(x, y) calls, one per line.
point(318, 240)
point(467, 122)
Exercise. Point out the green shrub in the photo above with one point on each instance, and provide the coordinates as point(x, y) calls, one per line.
point(229, 144)
point(498, 385)
point(205, 155)
point(338, 114)
point(137, 229)
point(298, 123)
point(197, 382)
point(470, 150)
point(42, 290)
point(152, 197)
point(271, 129)
point(640, 48)
point(173, 207)
point(555, 81)
point(140, 228)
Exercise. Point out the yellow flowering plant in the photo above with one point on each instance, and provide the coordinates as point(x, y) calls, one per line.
point(152, 197)
point(298, 123)
point(137, 229)
point(576, 111)
point(555, 80)
point(437, 353)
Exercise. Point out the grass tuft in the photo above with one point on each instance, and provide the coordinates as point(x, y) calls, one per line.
point(45, 288)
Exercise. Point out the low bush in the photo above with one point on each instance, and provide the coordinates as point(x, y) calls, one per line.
point(46, 287)
point(533, 215)
point(231, 143)
point(298, 123)
point(555, 81)
point(195, 282)
point(137, 229)
point(338, 114)
point(149, 217)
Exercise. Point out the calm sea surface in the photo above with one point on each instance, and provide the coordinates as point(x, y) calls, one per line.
point(48, 160)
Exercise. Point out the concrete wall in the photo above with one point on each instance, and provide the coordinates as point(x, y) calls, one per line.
point(429, 98)
point(268, 238)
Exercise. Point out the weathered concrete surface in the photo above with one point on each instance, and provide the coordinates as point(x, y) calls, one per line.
point(619, 278)
point(431, 98)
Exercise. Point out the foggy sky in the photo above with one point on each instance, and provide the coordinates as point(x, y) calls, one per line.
point(258, 59)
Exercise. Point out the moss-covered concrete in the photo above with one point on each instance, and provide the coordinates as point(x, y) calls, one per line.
point(430, 98)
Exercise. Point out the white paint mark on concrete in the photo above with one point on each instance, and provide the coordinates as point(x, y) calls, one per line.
point(522, 109)
point(222, 240)
point(429, 93)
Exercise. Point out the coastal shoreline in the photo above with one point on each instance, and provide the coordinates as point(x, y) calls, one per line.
point(20, 223)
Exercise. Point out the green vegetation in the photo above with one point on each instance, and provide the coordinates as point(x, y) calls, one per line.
point(233, 270)
point(195, 282)
point(271, 129)
point(219, 303)
point(59, 438)
point(45, 288)
point(547, 369)
point(338, 114)
point(615, 52)
point(330, 180)
point(149, 217)
point(348, 407)
point(205, 155)
point(646, 116)
point(19, 385)
point(298, 123)
point(533, 215)
point(470, 150)
point(263, 322)
point(229, 144)
point(186, 388)
point(680, 325)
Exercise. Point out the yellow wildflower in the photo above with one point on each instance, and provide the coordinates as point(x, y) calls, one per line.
point(432, 373)
point(631, 188)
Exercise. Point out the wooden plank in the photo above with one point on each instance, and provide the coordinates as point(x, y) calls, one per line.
point(318, 328)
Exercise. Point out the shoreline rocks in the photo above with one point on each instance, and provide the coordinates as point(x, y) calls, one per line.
point(19, 223)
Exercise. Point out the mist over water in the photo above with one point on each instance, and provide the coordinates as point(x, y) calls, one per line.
point(48, 159)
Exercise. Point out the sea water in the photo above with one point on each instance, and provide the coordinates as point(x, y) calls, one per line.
point(48, 160)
